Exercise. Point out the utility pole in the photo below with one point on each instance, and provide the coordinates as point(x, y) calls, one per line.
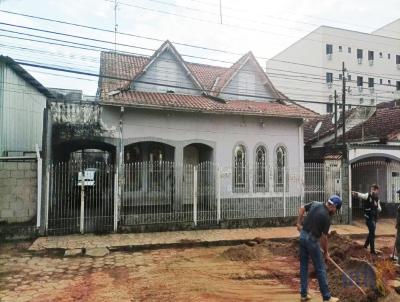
point(344, 110)
point(335, 117)
point(115, 24)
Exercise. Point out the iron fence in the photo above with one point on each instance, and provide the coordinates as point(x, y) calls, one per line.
point(86, 198)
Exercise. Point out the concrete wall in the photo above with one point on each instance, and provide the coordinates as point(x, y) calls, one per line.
point(18, 189)
point(306, 80)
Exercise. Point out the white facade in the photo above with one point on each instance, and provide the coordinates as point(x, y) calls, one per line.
point(310, 69)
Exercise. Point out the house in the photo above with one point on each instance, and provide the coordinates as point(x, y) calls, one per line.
point(312, 66)
point(185, 142)
point(22, 102)
point(372, 147)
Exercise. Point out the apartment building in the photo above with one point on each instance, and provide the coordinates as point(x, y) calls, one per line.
point(311, 68)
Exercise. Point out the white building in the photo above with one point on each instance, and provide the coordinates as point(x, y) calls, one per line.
point(310, 69)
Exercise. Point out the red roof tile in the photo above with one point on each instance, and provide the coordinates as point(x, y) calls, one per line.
point(205, 104)
point(120, 69)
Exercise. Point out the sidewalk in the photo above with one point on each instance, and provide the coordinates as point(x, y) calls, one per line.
point(200, 237)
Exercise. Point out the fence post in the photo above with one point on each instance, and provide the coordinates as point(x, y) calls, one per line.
point(195, 195)
point(116, 189)
point(284, 191)
point(218, 185)
point(82, 218)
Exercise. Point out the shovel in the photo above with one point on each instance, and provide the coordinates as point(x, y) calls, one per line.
point(348, 277)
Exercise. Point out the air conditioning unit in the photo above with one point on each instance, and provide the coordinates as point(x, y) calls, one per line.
point(371, 62)
point(360, 88)
point(359, 60)
point(329, 84)
point(329, 56)
point(398, 66)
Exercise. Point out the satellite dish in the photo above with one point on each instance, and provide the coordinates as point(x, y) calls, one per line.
point(317, 127)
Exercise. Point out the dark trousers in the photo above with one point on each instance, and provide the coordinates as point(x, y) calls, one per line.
point(371, 224)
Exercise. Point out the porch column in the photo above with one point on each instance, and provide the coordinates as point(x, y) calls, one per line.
point(346, 192)
point(178, 196)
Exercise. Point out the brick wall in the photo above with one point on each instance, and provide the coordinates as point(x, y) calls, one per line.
point(18, 189)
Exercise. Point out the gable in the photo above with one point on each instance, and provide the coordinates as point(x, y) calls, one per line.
point(247, 83)
point(165, 73)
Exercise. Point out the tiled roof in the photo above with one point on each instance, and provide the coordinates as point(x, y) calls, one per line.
point(120, 69)
point(326, 128)
point(382, 125)
point(205, 104)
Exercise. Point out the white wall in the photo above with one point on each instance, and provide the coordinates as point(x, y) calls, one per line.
point(166, 70)
point(311, 50)
point(223, 132)
point(21, 108)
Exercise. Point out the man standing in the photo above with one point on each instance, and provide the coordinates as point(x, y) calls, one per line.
point(313, 236)
point(371, 209)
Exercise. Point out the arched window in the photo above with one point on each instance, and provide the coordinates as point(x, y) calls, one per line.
point(239, 169)
point(260, 171)
point(281, 167)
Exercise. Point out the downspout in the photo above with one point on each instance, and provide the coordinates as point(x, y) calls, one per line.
point(39, 186)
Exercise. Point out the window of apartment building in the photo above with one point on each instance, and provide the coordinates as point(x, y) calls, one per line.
point(340, 48)
point(372, 101)
point(329, 49)
point(359, 53)
point(397, 59)
point(359, 81)
point(380, 55)
point(398, 85)
point(349, 77)
point(361, 100)
point(340, 76)
point(381, 81)
point(389, 56)
point(371, 82)
point(329, 108)
point(389, 82)
point(349, 49)
point(329, 77)
point(370, 55)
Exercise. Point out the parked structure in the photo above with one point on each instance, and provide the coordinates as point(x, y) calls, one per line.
point(182, 142)
point(372, 61)
point(22, 102)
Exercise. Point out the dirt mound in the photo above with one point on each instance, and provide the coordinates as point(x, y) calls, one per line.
point(287, 248)
point(242, 253)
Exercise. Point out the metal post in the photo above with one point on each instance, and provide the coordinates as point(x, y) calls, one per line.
point(39, 186)
point(350, 217)
point(218, 185)
point(195, 195)
point(284, 191)
point(116, 200)
point(335, 117)
point(344, 111)
point(82, 218)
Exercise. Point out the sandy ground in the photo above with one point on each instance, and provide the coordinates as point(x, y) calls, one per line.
point(191, 274)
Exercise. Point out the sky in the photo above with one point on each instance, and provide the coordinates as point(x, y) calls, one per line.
point(265, 27)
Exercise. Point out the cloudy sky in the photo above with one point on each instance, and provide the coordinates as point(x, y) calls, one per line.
point(265, 27)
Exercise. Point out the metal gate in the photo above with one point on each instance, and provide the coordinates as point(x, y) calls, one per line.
point(166, 192)
point(81, 198)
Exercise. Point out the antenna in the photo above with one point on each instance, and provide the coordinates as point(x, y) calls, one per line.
point(115, 24)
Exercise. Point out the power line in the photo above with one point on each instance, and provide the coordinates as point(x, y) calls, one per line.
point(108, 42)
point(161, 40)
point(163, 85)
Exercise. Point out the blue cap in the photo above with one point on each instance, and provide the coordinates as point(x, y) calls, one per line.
point(335, 200)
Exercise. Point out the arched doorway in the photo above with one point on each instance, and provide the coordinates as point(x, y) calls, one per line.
point(82, 178)
point(381, 170)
